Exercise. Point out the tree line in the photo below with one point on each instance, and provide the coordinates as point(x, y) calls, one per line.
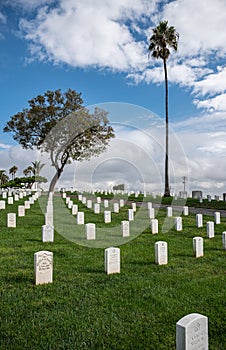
point(31, 175)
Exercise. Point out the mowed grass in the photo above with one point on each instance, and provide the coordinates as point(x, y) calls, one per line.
point(86, 309)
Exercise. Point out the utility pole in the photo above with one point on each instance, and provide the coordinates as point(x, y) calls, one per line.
point(184, 178)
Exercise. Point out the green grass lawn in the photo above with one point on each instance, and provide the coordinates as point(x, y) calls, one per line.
point(86, 309)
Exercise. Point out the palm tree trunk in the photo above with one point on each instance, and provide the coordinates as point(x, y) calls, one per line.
point(167, 190)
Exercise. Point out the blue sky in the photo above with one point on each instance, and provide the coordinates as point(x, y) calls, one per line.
point(99, 48)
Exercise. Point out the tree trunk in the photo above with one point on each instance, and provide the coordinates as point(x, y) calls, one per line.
point(167, 189)
point(55, 179)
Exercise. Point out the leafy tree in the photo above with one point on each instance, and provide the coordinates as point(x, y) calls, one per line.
point(57, 123)
point(21, 182)
point(119, 187)
point(162, 40)
point(13, 171)
point(3, 177)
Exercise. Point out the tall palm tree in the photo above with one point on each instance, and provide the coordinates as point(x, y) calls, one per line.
point(162, 40)
point(26, 172)
point(3, 177)
point(37, 167)
point(30, 170)
point(13, 171)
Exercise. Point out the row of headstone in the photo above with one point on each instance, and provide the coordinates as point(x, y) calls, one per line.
point(154, 222)
point(90, 230)
point(89, 203)
point(10, 201)
point(48, 227)
point(11, 217)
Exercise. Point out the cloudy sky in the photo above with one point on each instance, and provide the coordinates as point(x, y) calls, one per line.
point(99, 48)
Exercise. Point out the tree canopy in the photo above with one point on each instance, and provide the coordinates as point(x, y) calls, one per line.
point(59, 124)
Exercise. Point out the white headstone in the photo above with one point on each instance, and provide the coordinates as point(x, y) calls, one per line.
point(4, 195)
point(80, 197)
point(210, 229)
point(125, 228)
point(217, 217)
point(134, 207)
point(161, 253)
point(130, 214)
point(11, 220)
point(31, 200)
point(149, 205)
point(67, 200)
point(27, 205)
point(89, 204)
point(16, 198)
point(47, 233)
point(151, 213)
point(2, 204)
point(21, 210)
point(96, 208)
point(107, 216)
point(192, 332)
point(64, 195)
point(199, 221)
point(80, 218)
point(10, 200)
point(224, 240)
point(154, 226)
point(98, 200)
point(70, 204)
point(43, 267)
point(121, 203)
point(49, 218)
point(178, 223)
point(116, 207)
point(169, 211)
point(198, 246)
point(112, 260)
point(83, 200)
point(21, 195)
point(106, 204)
point(74, 209)
point(185, 210)
point(90, 231)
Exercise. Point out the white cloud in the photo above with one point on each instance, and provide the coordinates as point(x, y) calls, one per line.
point(212, 83)
point(114, 35)
point(201, 25)
point(4, 146)
point(89, 33)
point(217, 103)
point(28, 5)
point(2, 18)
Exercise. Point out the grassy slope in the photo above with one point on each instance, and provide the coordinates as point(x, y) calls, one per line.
point(86, 309)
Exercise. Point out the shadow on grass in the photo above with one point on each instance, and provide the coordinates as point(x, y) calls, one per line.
point(142, 263)
point(214, 249)
point(33, 240)
point(91, 270)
